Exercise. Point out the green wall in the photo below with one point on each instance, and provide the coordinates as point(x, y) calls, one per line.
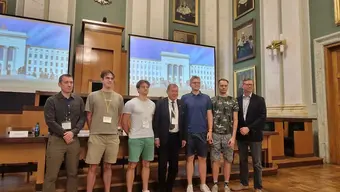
point(11, 4)
point(321, 13)
point(177, 26)
point(255, 14)
point(88, 9)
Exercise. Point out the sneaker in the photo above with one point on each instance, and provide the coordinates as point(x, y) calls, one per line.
point(204, 188)
point(146, 191)
point(190, 188)
point(258, 190)
point(214, 188)
point(240, 188)
point(226, 189)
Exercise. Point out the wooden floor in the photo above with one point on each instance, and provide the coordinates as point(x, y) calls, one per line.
point(322, 178)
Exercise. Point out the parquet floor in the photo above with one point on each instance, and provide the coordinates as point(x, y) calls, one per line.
point(321, 178)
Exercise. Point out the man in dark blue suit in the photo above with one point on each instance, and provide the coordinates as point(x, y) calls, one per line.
point(170, 136)
point(251, 121)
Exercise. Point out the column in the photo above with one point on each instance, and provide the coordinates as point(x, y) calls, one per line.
point(58, 11)
point(159, 18)
point(139, 17)
point(225, 39)
point(4, 65)
point(208, 23)
point(14, 67)
point(271, 60)
point(293, 30)
point(136, 21)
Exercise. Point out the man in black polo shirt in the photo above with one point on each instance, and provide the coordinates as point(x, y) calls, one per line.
point(65, 117)
point(198, 120)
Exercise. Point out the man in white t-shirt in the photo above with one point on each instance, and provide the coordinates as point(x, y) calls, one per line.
point(137, 123)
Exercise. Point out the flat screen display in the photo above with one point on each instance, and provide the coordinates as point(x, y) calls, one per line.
point(162, 62)
point(33, 54)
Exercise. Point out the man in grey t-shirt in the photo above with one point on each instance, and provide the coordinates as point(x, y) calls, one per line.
point(139, 112)
point(104, 108)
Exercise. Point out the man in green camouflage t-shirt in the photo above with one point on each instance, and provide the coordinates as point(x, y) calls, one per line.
point(225, 112)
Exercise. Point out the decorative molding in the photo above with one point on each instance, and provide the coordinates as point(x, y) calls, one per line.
point(103, 2)
point(287, 110)
point(320, 76)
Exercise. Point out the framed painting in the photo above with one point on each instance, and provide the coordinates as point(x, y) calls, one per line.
point(186, 37)
point(185, 12)
point(240, 75)
point(244, 41)
point(3, 6)
point(337, 12)
point(242, 7)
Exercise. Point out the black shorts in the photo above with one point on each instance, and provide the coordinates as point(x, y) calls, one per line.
point(197, 144)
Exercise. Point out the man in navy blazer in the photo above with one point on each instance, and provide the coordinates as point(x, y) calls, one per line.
point(251, 121)
point(170, 136)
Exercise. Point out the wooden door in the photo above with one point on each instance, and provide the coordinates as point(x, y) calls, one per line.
point(332, 70)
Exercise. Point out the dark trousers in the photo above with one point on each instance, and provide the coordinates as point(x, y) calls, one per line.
point(55, 155)
point(256, 152)
point(168, 152)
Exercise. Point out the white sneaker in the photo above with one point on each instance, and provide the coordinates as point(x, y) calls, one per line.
point(214, 188)
point(204, 188)
point(146, 191)
point(190, 188)
point(226, 189)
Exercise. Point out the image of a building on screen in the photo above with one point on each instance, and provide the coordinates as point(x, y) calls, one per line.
point(18, 58)
point(172, 68)
point(46, 63)
point(12, 52)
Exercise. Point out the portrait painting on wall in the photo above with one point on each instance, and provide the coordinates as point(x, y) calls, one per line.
point(185, 12)
point(3, 6)
point(244, 41)
point(186, 37)
point(239, 76)
point(337, 12)
point(242, 7)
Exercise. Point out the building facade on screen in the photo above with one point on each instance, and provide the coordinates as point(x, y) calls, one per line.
point(172, 67)
point(33, 49)
point(16, 57)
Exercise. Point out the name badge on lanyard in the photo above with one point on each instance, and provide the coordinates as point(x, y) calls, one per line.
point(66, 125)
point(107, 119)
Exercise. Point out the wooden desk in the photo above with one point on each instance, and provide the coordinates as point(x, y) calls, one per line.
point(303, 139)
point(267, 147)
point(24, 150)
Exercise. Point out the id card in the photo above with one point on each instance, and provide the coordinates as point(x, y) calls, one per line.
point(66, 125)
point(107, 119)
point(174, 121)
point(146, 124)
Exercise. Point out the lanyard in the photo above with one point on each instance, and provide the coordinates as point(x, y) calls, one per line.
point(68, 110)
point(107, 101)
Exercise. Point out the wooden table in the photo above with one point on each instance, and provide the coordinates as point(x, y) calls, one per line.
point(266, 147)
point(24, 150)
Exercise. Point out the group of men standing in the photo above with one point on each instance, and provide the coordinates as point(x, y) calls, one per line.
point(195, 122)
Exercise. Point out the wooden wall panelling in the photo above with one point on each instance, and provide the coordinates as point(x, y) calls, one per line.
point(78, 68)
point(278, 141)
point(102, 50)
point(303, 141)
point(9, 120)
point(124, 73)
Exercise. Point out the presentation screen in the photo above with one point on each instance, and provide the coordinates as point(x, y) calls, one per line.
point(162, 62)
point(33, 54)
